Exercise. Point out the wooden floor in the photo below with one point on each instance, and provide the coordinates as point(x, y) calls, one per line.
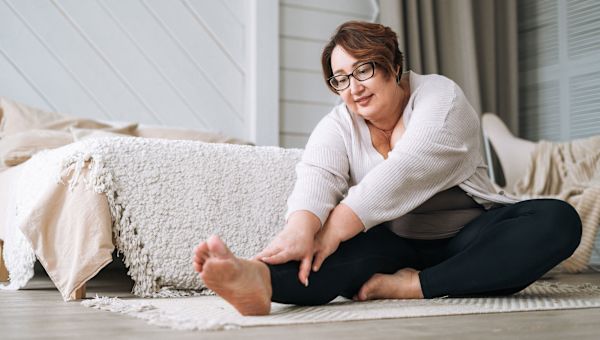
point(38, 312)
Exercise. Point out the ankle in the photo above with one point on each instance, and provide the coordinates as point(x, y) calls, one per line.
point(265, 275)
point(416, 284)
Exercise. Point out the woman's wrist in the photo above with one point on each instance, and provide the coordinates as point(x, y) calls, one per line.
point(344, 217)
point(305, 220)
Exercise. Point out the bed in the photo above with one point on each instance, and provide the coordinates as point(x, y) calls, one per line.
point(152, 197)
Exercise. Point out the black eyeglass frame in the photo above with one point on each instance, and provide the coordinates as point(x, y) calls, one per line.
point(352, 75)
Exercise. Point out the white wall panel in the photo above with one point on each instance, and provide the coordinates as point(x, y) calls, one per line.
point(305, 86)
point(559, 68)
point(13, 83)
point(305, 28)
point(293, 140)
point(179, 63)
point(219, 22)
point(311, 24)
point(238, 8)
point(23, 43)
point(301, 117)
point(301, 54)
point(359, 9)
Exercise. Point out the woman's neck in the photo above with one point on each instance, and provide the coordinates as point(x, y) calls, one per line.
point(388, 122)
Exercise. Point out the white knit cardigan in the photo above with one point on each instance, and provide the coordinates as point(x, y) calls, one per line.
point(440, 148)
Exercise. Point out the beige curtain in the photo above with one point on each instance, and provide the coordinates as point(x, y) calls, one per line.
point(473, 42)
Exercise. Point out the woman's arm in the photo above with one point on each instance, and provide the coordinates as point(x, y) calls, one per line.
point(322, 180)
point(294, 243)
point(439, 149)
point(324, 171)
point(342, 225)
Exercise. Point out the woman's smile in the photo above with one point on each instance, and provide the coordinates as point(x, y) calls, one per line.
point(363, 100)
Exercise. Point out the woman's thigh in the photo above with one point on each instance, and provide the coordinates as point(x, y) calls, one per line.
point(505, 249)
point(543, 222)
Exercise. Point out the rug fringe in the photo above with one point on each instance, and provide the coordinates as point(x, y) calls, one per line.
point(154, 316)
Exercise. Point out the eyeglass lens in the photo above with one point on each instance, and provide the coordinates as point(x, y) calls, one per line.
point(361, 73)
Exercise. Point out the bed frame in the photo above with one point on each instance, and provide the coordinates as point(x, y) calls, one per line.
point(77, 295)
point(3, 271)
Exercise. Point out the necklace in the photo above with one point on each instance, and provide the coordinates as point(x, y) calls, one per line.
point(386, 133)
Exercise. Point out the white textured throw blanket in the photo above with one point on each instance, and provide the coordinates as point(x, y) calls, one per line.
point(166, 196)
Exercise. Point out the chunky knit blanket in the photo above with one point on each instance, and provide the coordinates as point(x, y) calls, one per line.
point(166, 196)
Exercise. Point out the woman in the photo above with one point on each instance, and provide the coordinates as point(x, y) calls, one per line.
point(392, 199)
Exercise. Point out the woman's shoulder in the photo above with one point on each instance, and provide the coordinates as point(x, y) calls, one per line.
point(339, 117)
point(431, 82)
point(437, 98)
point(332, 132)
point(336, 122)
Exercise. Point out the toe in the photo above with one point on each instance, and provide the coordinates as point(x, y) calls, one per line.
point(363, 293)
point(218, 248)
point(369, 290)
point(201, 249)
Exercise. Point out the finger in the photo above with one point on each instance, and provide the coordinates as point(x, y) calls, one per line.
point(267, 252)
point(318, 261)
point(278, 258)
point(304, 271)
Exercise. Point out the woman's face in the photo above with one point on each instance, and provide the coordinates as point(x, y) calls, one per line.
point(373, 99)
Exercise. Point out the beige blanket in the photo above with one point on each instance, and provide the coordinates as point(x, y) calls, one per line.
point(569, 171)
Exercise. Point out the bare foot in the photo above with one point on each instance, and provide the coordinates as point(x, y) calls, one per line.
point(404, 284)
point(246, 284)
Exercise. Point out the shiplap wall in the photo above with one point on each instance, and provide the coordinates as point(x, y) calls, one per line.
point(559, 68)
point(305, 27)
point(177, 63)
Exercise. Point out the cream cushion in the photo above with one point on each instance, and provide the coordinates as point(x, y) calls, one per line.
point(25, 131)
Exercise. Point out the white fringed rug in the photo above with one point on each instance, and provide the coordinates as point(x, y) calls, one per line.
point(213, 313)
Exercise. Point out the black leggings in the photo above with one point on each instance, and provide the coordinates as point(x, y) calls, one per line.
point(501, 252)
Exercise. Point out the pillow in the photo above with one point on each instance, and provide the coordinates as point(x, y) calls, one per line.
point(19, 147)
point(18, 117)
point(186, 134)
point(80, 134)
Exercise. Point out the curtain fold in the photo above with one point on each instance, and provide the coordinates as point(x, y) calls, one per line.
point(473, 42)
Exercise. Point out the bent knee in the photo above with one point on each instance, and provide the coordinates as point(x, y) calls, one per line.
point(559, 225)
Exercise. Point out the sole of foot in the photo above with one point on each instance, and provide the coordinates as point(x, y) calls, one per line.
point(245, 284)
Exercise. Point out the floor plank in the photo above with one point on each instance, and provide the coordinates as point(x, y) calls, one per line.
point(37, 312)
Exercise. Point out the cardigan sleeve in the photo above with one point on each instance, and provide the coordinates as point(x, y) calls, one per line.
point(440, 148)
point(323, 173)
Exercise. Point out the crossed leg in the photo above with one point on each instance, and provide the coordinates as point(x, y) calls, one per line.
point(501, 252)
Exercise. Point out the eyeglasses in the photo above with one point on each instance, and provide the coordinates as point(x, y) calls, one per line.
point(362, 72)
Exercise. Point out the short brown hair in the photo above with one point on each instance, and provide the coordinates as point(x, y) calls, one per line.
point(364, 41)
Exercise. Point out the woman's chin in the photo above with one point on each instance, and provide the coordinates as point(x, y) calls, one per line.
point(365, 112)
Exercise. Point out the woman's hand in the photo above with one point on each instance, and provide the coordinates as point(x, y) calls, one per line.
point(294, 243)
point(342, 225)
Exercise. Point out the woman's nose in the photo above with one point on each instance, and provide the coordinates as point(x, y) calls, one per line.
point(355, 86)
